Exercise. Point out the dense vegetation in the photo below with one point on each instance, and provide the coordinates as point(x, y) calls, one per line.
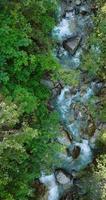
point(25, 57)
point(94, 60)
point(94, 63)
point(26, 125)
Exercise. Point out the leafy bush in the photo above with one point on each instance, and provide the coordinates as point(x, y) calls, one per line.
point(9, 115)
point(25, 56)
point(93, 184)
point(94, 60)
point(22, 156)
point(26, 49)
point(70, 77)
point(25, 100)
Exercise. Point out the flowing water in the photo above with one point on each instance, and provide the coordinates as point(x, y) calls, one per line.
point(74, 120)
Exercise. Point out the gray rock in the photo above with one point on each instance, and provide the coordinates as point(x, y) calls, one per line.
point(84, 10)
point(49, 84)
point(72, 44)
point(78, 2)
point(70, 8)
point(63, 177)
point(57, 89)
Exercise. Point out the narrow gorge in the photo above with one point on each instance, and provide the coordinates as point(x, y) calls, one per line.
point(79, 130)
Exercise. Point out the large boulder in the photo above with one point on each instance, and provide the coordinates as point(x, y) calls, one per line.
point(65, 138)
point(72, 44)
point(62, 177)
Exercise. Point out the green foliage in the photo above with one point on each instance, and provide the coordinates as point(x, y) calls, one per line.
point(101, 141)
point(9, 115)
point(70, 77)
point(25, 100)
point(102, 113)
point(94, 108)
point(94, 60)
point(22, 156)
point(25, 49)
point(98, 183)
point(94, 183)
point(25, 57)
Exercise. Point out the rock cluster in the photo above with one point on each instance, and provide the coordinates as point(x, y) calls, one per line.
point(72, 12)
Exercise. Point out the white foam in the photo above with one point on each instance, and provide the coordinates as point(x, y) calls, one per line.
point(62, 30)
point(87, 95)
point(50, 182)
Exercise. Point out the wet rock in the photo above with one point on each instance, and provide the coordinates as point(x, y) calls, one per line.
point(84, 10)
point(62, 177)
point(83, 89)
point(66, 1)
point(39, 187)
point(67, 134)
point(45, 197)
point(61, 52)
point(72, 118)
point(67, 94)
point(74, 151)
point(66, 138)
point(91, 129)
point(63, 9)
point(72, 44)
point(50, 106)
point(69, 9)
point(72, 22)
point(87, 124)
point(97, 87)
point(48, 83)
point(57, 89)
point(63, 141)
point(78, 2)
point(67, 196)
point(94, 9)
point(58, 84)
point(77, 10)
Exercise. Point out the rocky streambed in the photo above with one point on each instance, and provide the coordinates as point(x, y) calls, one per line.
point(75, 24)
point(79, 129)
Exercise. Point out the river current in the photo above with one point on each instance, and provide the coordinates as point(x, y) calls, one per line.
point(75, 20)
